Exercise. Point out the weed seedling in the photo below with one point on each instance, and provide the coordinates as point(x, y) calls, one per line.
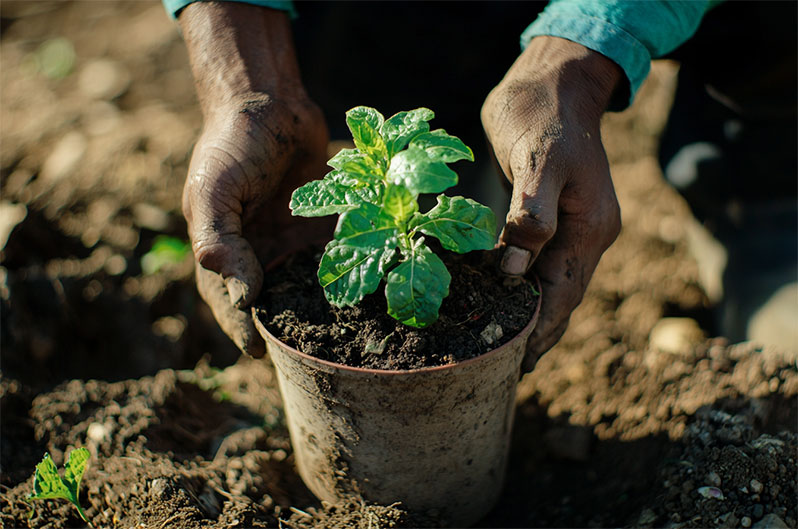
point(48, 484)
point(374, 188)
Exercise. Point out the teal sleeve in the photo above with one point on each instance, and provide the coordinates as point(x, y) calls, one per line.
point(173, 7)
point(631, 33)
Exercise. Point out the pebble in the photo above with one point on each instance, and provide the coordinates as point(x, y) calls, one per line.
point(96, 432)
point(745, 521)
point(491, 333)
point(771, 521)
point(677, 336)
point(758, 511)
point(714, 479)
point(756, 486)
point(159, 487)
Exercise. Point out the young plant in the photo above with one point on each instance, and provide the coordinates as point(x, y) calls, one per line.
point(48, 484)
point(375, 188)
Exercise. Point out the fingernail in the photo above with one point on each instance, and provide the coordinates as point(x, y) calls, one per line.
point(515, 261)
point(236, 289)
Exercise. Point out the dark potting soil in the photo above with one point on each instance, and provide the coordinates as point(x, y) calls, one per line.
point(483, 311)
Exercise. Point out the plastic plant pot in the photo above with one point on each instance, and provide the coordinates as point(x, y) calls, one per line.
point(435, 439)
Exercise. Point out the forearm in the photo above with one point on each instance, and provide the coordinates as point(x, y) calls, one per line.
point(239, 52)
point(629, 33)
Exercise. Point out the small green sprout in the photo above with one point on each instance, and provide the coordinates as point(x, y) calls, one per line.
point(48, 484)
point(165, 251)
point(374, 188)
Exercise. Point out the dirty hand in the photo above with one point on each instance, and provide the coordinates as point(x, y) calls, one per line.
point(262, 138)
point(542, 121)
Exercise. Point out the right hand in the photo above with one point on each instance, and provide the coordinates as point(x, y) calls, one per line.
point(262, 138)
point(542, 122)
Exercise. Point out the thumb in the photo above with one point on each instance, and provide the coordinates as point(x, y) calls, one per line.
point(531, 222)
point(218, 244)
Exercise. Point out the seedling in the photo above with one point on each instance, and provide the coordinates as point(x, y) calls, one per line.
point(48, 484)
point(374, 188)
point(165, 251)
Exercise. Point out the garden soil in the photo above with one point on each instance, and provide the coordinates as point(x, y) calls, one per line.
point(482, 312)
point(640, 417)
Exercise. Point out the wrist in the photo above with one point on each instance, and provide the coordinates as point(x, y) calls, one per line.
point(239, 54)
point(583, 80)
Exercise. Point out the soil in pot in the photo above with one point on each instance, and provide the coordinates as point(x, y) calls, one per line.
point(483, 311)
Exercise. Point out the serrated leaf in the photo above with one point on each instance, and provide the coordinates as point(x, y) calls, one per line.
point(461, 224)
point(442, 147)
point(331, 195)
point(365, 124)
point(47, 484)
point(399, 202)
point(367, 227)
point(399, 129)
point(415, 289)
point(357, 165)
point(348, 272)
point(74, 468)
point(415, 170)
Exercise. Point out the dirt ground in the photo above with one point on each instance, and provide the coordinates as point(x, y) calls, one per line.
point(640, 417)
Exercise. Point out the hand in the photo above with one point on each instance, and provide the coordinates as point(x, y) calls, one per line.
point(262, 138)
point(542, 121)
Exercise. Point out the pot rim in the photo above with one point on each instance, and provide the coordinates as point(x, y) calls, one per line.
point(523, 333)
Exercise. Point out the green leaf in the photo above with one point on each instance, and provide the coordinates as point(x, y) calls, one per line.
point(365, 124)
point(348, 272)
point(74, 468)
point(165, 251)
point(442, 147)
point(368, 227)
point(399, 203)
point(399, 129)
point(414, 169)
point(415, 289)
point(48, 484)
point(357, 165)
point(461, 224)
point(333, 194)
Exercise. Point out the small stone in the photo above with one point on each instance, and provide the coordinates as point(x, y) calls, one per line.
point(676, 336)
point(96, 432)
point(647, 517)
point(714, 479)
point(491, 333)
point(758, 511)
point(745, 521)
point(711, 493)
point(159, 488)
point(771, 521)
point(756, 486)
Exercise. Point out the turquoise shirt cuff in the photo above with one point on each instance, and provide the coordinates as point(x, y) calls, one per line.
point(627, 32)
point(173, 7)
